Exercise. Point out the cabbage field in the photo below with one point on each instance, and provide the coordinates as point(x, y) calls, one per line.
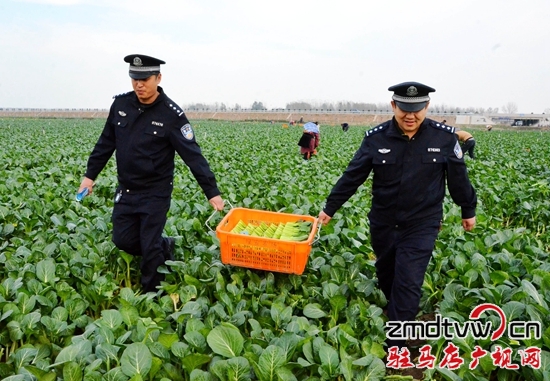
point(71, 307)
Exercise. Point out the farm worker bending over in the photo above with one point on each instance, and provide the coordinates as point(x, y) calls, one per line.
point(412, 158)
point(467, 141)
point(310, 140)
point(146, 128)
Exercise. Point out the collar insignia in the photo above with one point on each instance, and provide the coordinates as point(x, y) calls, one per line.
point(121, 113)
point(384, 150)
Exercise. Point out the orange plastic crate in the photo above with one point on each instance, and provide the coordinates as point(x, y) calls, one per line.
point(259, 252)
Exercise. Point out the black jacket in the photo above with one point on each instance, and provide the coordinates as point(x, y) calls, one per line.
point(145, 138)
point(409, 174)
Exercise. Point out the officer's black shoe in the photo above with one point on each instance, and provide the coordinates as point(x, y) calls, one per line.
point(169, 253)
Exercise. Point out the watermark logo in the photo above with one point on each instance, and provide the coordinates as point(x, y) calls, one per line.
point(443, 327)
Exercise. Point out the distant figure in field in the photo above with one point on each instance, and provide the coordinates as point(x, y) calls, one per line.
point(489, 127)
point(467, 142)
point(309, 141)
point(345, 127)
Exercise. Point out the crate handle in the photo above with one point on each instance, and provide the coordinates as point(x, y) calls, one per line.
point(318, 234)
point(212, 215)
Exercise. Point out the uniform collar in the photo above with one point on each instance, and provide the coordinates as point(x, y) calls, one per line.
point(159, 99)
point(395, 131)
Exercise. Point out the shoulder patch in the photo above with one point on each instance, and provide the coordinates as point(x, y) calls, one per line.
point(174, 107)
point(122, 95)
point(441, 126)
point(458, 151)
point(377, 129)
point(187, 131)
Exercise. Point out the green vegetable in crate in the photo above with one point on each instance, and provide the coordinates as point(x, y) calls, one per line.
point(296, 231)
point(270, 231)
point(259, 230)
point(279, 231)
point(289, 231)
point(239, 227)
point(249, 229)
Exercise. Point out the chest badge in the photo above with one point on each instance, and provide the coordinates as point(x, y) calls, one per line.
point(121, 113)
point(187, 131)
point(384, 151)
point(434, 149)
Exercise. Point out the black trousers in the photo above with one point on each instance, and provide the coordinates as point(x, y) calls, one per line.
point(402, 256)
point(138, 224)
point(468, 146)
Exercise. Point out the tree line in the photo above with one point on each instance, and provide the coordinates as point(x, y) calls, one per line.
point(508, 108)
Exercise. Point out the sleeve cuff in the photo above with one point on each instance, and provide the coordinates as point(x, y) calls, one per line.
point(91, 177)
point(329, 213)
point(212, 193)
point(468, 213)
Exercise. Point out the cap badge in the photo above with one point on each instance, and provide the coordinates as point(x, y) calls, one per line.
point(412, 91)
point(137, 61)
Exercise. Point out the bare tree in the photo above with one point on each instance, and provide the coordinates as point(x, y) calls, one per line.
point(510, 108)
point(258, 106)
point(298, 106)
point(326, 106)
point(198, 106)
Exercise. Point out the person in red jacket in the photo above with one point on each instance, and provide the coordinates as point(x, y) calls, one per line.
point(310, 140)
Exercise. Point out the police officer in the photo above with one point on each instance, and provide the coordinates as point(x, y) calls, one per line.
point(146, 128)
point(411, 157)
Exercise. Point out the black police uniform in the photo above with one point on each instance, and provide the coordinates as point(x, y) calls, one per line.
point(145, 138)
point(409, 177)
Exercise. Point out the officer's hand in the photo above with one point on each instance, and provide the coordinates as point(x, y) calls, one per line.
point(217, 203)
point(86, 183)
point(324, 218)
point(469, 223)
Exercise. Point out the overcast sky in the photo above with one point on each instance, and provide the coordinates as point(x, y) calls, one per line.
point(478, 53)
